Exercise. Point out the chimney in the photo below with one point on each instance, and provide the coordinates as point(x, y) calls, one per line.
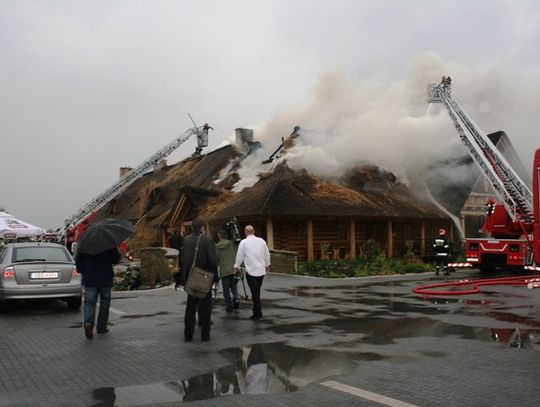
point(124, 171)
point(243, 137)
point(244, 140)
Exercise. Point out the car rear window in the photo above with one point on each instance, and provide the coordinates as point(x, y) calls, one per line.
point(37, 253)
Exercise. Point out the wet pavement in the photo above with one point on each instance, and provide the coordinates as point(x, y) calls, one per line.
point(356, 342)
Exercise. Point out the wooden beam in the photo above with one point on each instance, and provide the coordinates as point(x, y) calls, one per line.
point(270, 233)
point(390, 239)
point(310, 252)
point(352, 238)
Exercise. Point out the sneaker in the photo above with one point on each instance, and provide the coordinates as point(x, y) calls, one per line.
point(103, 331)
point(236, 304)
point(255, 317)
point(88, 327)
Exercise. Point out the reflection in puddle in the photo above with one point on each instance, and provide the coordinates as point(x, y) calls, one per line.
point(384, 330)
point(256, 369)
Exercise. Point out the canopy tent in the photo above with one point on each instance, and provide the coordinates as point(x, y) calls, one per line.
point(13, 228)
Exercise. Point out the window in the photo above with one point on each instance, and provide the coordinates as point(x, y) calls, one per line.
point(39, 253)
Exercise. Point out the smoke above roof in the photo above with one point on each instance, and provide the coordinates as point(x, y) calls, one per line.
point(387, 122)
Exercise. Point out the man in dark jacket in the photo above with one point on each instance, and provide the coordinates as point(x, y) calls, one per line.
point(206, 260)
point(97, 278)
point(176, 241)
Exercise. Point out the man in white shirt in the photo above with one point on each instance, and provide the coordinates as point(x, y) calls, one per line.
point(254, 253)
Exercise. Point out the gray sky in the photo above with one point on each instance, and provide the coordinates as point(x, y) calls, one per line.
point(90, 86)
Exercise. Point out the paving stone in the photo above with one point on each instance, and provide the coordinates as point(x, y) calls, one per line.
point(446, 358)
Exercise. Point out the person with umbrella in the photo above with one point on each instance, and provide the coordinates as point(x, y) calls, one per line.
point(96, 254)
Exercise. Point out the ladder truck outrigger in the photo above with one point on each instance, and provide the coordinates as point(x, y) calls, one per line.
point(77, 222)
point(512, 222)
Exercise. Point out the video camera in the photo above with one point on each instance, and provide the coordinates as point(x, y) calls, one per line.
point(233, 233)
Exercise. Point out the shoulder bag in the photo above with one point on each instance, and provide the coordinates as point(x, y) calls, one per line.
point(199, 281)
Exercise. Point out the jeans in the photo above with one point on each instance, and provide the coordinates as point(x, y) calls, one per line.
point(230, 291)
point(90, 299)
point(255, 284)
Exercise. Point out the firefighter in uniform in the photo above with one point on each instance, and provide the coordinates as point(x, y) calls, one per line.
point(441, 249)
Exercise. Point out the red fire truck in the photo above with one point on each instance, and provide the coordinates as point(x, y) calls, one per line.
point(512, 219)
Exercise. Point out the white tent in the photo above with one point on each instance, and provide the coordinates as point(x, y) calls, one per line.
point(12, 228)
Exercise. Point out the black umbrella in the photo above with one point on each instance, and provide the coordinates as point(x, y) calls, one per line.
point(104, 235)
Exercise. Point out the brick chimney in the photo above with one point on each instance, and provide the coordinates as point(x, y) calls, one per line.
point(245, 140)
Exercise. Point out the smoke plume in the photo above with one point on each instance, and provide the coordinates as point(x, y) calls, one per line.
point(387, 122)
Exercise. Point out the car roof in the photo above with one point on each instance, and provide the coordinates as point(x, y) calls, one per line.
point(30, 244)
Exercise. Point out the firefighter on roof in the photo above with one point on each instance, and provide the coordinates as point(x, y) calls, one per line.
point(441, 249)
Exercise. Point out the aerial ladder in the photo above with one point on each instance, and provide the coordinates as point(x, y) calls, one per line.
point(74, 222)
point(510, 220)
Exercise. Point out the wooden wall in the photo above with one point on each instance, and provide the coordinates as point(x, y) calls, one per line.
point(291, 235)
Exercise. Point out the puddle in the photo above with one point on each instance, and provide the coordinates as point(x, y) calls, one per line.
point(255, 369)
point(383, 331)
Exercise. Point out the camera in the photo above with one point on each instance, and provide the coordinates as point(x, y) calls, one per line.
point(233, 233)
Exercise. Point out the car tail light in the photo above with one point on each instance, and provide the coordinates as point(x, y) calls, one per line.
point(74, 271)
point(9, 272)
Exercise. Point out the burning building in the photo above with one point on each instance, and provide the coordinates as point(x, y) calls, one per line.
point(291, 209)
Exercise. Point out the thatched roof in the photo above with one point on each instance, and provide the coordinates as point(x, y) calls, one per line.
point(201, 187)
point(155, 194)
point(287, 192)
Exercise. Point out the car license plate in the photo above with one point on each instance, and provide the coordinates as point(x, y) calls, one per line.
point(43, 275)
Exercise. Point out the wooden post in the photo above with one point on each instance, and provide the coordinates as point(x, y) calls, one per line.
point(310, 255)
point(423, 238)
point(270, 233)
point(390, 239)
point(352, 238)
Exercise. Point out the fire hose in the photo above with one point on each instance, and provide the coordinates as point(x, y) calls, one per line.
point(433, 289)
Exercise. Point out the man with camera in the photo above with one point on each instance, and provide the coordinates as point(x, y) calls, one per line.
point(226, 252)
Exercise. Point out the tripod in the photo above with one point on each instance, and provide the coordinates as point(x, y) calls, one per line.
point(241, 276)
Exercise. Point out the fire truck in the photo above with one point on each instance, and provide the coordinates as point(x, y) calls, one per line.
point(511, 220)
point(76, 224)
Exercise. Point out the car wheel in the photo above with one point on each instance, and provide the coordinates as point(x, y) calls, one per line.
point(74, 302)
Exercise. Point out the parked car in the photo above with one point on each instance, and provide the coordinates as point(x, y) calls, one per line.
point(39, 270)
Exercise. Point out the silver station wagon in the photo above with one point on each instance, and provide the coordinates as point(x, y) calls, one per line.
point(39, 270)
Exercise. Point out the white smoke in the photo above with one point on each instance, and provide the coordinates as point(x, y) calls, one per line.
point(386, 120)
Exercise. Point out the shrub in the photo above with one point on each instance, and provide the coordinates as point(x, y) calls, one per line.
point(359, 267)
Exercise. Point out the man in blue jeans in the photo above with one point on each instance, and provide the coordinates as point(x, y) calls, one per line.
point(97, 278)
point(226, 254)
